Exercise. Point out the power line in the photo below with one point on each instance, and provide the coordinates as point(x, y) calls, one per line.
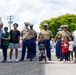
point(10, 21)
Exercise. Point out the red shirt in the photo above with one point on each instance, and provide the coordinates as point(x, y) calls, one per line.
point(65, 47)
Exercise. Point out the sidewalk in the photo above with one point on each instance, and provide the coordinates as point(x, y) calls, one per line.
point(55, 67)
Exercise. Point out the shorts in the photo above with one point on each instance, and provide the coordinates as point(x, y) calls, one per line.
point(41, 56)
point(41, 53)
point(13, 46)
point(74, 48)
point(70, 53)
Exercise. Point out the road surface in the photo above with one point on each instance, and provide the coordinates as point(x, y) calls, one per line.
point(54, 67)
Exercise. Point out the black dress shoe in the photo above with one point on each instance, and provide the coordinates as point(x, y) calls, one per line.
point(21, 60)
point(30, 59)
point(27, 58)
point(49, 59)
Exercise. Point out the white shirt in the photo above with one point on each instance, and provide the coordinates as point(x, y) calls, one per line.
point(71, 43)
point(74, 35)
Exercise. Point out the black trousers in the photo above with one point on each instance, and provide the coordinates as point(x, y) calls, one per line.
point(26, 43)
point(65, 56)
point(4, 49)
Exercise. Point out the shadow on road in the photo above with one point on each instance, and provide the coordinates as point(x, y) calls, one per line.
point(21, 68)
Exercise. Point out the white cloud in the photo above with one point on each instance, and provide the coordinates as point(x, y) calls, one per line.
point(35, 11)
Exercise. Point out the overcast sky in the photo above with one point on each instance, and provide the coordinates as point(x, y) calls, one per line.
point(34, 11)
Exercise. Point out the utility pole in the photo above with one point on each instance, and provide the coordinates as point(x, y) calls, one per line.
point(10, 21)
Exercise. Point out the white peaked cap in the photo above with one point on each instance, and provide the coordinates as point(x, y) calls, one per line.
point(45, 24)
point(26, 23)
point(65, 26)
point(59, 29)
point(31, 24)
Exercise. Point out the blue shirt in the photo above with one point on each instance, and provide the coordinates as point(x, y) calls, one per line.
point(1, 32)
point(41, 45)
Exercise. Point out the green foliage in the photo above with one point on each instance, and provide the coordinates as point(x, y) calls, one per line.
point(55, 23)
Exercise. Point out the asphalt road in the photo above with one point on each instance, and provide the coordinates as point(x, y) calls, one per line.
point(21, 68)
point(54, 67)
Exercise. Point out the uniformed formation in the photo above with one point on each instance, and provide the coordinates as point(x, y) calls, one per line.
point(29, 37)
point(64, 42)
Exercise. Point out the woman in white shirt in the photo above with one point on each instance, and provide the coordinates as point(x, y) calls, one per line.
point(70, 53)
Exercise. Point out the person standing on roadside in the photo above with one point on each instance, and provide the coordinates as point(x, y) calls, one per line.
point(5, 43)
point(1, 32)
point(26, 36)
point(33, 41)
point(47, 37)
point(64, 34)
point(14, 42)
point(65, 46)
point(74, 47)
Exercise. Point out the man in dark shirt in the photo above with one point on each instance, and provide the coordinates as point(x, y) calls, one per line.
point(14, 42)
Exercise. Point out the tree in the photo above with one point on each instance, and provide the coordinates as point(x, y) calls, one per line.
point(55, 23)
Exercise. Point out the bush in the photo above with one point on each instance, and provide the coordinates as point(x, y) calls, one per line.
point(55, 23)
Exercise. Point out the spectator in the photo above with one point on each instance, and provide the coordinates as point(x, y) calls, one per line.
point(14, 42)
point(65, 49)
point(70, 53)
point(1, 26)
point(5, 43)
point(74, 36)
point(42, 46)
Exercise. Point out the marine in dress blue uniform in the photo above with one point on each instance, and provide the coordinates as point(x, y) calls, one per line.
point(33, 41)
point(47, 37)
point(26, 36)
point(58, 45)
point(59, 53)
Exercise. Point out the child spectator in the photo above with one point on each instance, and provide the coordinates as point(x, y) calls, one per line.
point(41, 46)
point(70, 52)
point(65, 49)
